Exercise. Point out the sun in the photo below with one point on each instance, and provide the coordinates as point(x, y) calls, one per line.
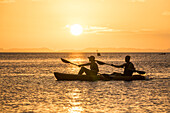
point(76, 29)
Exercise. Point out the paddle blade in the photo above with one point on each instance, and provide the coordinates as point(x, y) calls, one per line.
point(141, 72)
point(100, 62)
point(65, 61)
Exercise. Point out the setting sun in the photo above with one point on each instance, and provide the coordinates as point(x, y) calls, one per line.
point(76, 29)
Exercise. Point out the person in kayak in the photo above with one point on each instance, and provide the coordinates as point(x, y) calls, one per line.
point(93, 67)
point(128, 67)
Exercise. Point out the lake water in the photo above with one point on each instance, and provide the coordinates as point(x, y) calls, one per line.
point(28, 85)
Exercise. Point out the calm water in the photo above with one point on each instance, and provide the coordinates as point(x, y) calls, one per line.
point(27, 84)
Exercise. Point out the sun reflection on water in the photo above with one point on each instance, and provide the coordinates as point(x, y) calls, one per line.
point(76, 60)
point(75, 109)
point(75, 96)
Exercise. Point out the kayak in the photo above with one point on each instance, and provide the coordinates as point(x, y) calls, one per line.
point(106, 77)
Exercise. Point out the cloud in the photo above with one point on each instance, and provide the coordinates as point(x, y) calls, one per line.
point(7, 1)
point(166, 13)
point(98, 29)
point(95, 29)
point(141, 30)
point(137, 0)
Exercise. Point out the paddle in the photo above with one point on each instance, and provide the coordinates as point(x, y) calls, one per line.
point(66, 61)
point(102, 63)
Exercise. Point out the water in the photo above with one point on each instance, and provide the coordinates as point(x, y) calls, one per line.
point(27, 84)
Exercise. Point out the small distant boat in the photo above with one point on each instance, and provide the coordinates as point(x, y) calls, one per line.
point(98, 54)
point(105, 77)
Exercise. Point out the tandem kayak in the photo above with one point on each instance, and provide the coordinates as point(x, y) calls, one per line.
point(75, 77)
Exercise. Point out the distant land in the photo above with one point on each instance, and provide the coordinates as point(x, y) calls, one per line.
point(26, 50)
point(83, 50)
point(116, 50)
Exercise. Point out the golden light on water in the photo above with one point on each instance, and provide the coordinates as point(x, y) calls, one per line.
point(77, 60)
point(75, 110)
point(75, 104)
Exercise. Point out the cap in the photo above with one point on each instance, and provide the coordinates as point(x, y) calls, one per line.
point(91, 57)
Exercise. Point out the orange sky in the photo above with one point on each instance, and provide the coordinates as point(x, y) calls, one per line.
point(106, 23)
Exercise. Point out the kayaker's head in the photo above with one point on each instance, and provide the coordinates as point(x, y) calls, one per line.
point(127, 58)
point(91, 58)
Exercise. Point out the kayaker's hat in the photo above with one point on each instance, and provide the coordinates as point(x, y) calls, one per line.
point(92, 57)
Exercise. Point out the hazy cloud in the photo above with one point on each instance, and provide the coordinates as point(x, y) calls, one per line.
point(166, 13)
point(141, 30)
point(7, 1)
point(97, 29)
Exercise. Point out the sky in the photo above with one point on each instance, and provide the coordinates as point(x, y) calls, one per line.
point(143, 24)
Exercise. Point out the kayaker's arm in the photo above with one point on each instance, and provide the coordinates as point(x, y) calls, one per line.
point(118, 66)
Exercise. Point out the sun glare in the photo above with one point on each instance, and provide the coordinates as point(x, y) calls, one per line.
point(76, 29)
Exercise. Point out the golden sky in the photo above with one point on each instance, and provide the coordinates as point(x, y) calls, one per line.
point(106, 24)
